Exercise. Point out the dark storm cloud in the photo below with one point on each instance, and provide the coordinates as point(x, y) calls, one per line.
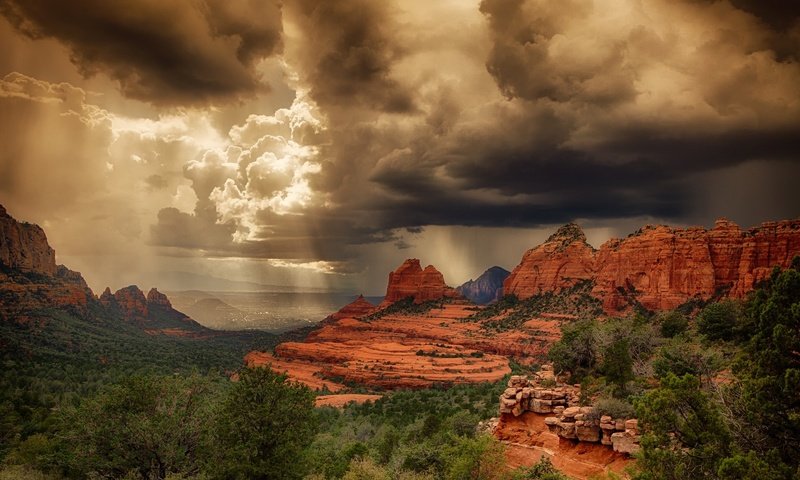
point(347, 52)
point(165, 52)
point(780, 14)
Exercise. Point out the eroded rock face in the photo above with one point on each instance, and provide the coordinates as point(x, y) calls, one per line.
point(660, 267)
point(132, 302)
point(154, 297)
point(29, 276)
point(410, 280)
point(561, 262)
point(24, 247)
point(486, 288)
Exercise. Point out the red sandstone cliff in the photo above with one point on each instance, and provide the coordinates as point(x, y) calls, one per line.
point(661, 267)
point(410, 280)
point(29, 276)
point(24, 247)
point(30, 281)
point(560, 262)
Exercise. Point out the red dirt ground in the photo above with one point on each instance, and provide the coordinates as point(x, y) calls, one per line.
point(527, 439)
point(409, 351)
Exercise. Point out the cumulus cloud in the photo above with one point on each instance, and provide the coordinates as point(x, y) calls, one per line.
point(176, 52)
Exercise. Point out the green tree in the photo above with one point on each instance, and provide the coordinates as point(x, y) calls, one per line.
point(149, 426)
point(542, 470)
point(718, 321)
point(673, 323)
point(769, 367)
point(680, 356)
point(576, 351)
point(477, 458)
point(686, 436)
point(617, 365)
point(263, 427)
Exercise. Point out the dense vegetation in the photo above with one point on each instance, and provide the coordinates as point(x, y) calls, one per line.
point(58, 358)
point(717, 396)
point(575, 300)
point(407, 306)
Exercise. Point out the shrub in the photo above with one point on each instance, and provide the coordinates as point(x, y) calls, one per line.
point(614, 408)
point(673, 323)
point(718, 321)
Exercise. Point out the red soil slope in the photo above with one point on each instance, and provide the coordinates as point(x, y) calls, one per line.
point(409, 351)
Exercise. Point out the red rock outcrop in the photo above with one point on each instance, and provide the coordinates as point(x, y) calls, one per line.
point(24, 247)
point(560, 262)
point(355, 309)
point(410, 280)
point(29, 276)
point(154, 297)
point(660, 267)
point(132, 302)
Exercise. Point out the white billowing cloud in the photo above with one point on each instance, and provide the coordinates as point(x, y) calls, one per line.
point(266, 167)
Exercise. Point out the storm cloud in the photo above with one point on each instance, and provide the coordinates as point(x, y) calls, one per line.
point(409, 120)
point(175, 52)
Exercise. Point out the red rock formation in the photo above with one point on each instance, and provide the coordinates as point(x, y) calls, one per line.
point(563, 260)
point(23, 246)
point(132, 302)
point(30, 278)
point(107, 298)
point(355, 309)
point(154, 297)
point(764, 247)
point(661, 267)
point(410, 280)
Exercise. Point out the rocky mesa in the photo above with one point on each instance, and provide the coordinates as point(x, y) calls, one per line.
point(411, 280)
point(659, 267)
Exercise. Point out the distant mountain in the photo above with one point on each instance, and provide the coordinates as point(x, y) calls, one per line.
point(214, 313)
point(486, 288)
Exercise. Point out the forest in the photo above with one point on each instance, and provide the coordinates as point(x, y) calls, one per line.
point(717, 393)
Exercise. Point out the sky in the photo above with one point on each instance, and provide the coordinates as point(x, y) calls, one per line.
point(317, 144)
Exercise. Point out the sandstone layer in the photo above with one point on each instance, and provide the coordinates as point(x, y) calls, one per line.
point(401, 350)
point(30, 280)
point(659, 267)
point(411, 280)
point(24, 247)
